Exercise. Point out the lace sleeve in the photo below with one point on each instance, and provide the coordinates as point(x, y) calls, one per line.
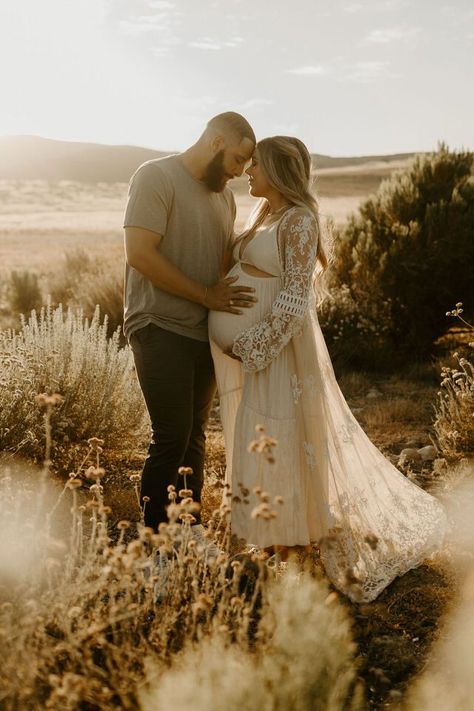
point(260, 344)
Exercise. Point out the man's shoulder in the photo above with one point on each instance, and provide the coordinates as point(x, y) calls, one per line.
point(156, 167)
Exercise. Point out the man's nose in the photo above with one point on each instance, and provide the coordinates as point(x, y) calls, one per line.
point(239, 171)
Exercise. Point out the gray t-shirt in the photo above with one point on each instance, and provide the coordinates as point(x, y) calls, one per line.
point(197, 226)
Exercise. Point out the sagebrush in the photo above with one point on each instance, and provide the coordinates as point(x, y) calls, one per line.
point(60, 351)
point(410, 246)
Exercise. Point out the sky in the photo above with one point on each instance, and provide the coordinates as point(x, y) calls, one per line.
point(348, 77)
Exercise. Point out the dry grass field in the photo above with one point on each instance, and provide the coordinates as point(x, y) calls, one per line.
point(40, 220)
point(96, 639)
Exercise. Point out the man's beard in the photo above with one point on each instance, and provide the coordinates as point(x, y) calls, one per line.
point(215, 176)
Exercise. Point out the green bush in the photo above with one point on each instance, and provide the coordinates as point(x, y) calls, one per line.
point(412, 245)
point(61, 352)
point(355, 331)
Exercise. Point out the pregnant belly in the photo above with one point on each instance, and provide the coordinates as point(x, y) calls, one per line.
point(224, 326)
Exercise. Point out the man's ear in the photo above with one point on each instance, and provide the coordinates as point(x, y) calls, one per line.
point(217, 143)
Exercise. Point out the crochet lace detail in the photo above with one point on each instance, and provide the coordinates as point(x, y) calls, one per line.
point(263, 342)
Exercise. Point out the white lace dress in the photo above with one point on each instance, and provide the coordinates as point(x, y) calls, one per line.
point(337, 489)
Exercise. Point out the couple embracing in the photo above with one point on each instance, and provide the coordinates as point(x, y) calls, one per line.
point(204, 305)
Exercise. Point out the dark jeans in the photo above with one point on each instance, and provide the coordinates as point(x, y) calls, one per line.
point(176, 376)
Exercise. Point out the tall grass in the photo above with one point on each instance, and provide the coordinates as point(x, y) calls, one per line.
point(304, 660)
point(86, 282)
point(78, 622)
point(25, 293)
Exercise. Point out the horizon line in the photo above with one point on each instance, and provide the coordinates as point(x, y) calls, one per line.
point(170, 152)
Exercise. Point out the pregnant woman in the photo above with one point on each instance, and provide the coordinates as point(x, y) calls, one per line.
point(326, 483)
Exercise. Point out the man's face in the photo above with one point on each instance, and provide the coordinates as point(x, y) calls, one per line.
point(229, 162)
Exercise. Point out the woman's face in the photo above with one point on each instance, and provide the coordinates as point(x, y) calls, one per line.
point(258, 183)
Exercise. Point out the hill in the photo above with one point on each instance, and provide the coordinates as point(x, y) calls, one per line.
point(37, 158)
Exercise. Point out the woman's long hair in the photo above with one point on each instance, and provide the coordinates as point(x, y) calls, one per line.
point(286, 163)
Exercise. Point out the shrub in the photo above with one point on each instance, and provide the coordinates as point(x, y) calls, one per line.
point(454, 423)
point(306, 662)
point(78, 621)
point(60, 351)
point(64, 281)
point(411, 246)
point(25, 292)
point(103, 288)
point(356, 331)
point(86, 283)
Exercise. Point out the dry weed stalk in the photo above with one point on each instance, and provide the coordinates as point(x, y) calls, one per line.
point(82, 605)
point(454, 423)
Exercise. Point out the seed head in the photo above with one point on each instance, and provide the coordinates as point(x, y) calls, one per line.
point(45, 400)
point(74, 484)
point(185, 471)
point(95, 442)
point(185, 493)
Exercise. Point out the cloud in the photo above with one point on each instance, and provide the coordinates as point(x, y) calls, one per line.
point(144, 23)
point(160, 28)
point(309, 70)
point(205, 43)
point(161, 5)
point(234, 42)
point(391, 34)
point(255, 104)
point(208, 43)
point(366, 72)
point(380, 6)
point(344, 70)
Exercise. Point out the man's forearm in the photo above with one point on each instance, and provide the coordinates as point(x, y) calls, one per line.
point(166, 276)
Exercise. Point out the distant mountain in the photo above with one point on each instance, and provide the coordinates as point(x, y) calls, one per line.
point(36, 158)
point(33, 157)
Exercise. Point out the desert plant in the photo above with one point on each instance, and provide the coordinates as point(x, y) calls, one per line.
point(411, 246)
point(25, 292)
point(102, 288)
point(454, 423)
point(63, 282)
point(60, 351)
point(356, 331)
point(304, 661)
point(81, 601)
point(86, 283)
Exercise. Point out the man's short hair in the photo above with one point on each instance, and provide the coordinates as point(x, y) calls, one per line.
point(232, 122)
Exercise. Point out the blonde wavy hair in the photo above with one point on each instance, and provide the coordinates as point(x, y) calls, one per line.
point(286, 163)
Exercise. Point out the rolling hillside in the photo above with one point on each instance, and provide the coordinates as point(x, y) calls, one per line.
point(36, 158)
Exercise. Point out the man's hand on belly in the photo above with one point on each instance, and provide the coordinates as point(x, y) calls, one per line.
point(225, 297)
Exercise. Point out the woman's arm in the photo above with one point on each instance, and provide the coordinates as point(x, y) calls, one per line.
point(264, 341)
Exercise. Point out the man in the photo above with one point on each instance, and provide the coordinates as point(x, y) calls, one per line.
point(178, 225)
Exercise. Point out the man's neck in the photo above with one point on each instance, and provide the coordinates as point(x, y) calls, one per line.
point(193, 161)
